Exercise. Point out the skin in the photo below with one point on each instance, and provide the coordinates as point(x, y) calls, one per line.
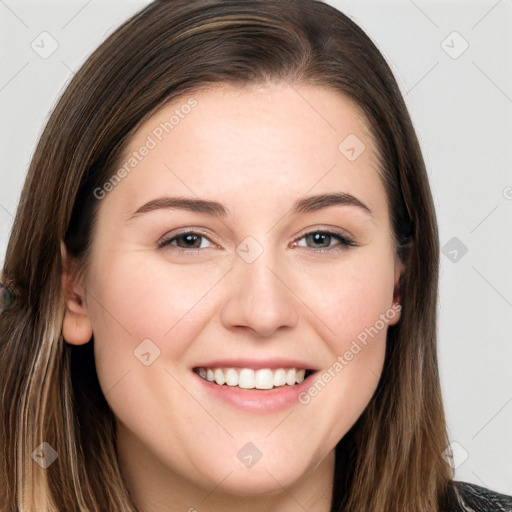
point(255, 150)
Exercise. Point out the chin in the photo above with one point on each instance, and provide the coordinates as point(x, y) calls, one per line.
point(251, 482)
point(264, 477)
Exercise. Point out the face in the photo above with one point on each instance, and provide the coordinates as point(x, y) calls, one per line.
point(249, 242)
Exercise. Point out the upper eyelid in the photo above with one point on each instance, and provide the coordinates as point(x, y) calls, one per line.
point(330, 230)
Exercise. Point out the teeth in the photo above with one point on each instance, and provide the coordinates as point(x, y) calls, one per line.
point(219, 376)
point(290, 377)
point(264, 379)
point(231, 377)
point(279, 377)
point(247, 378)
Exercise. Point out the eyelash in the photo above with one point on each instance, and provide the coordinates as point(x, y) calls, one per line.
point(345, 242)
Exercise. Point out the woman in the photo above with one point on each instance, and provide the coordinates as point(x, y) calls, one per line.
point(167, 343)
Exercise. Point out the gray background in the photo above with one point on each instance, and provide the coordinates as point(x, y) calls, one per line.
point(461, 104)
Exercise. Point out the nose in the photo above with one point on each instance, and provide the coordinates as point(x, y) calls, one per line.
point(260, 297)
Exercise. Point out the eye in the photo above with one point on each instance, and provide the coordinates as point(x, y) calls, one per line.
point(185, 240)
point(322, 241)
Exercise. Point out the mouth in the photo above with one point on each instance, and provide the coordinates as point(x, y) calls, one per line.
point(248, 378)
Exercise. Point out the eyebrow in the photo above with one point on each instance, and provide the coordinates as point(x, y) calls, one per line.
point(216, 209)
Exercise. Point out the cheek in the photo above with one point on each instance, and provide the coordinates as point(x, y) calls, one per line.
point(352, 299)
point(355, 311)
point(131, 301)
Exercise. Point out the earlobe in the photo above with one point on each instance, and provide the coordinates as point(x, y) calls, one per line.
point(76, 329)
point(76, 326)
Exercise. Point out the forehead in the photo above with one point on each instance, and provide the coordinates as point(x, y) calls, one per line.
point(263, 142)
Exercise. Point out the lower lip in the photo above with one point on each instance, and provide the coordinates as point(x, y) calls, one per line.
point(258, 400)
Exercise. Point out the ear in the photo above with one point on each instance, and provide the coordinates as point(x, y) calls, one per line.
point(396, 306)
point(76, 326)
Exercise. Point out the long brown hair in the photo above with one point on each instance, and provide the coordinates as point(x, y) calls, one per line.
point(391, 459)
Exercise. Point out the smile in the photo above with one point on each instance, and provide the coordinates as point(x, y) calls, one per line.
point(247, 378)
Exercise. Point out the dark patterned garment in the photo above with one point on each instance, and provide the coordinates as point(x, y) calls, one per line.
point(473, 498)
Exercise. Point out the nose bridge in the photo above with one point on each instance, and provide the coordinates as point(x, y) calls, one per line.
point(258, 296)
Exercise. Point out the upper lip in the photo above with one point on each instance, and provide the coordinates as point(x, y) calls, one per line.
point(257, 364)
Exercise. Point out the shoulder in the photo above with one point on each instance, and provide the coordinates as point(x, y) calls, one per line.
point(473, 498)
